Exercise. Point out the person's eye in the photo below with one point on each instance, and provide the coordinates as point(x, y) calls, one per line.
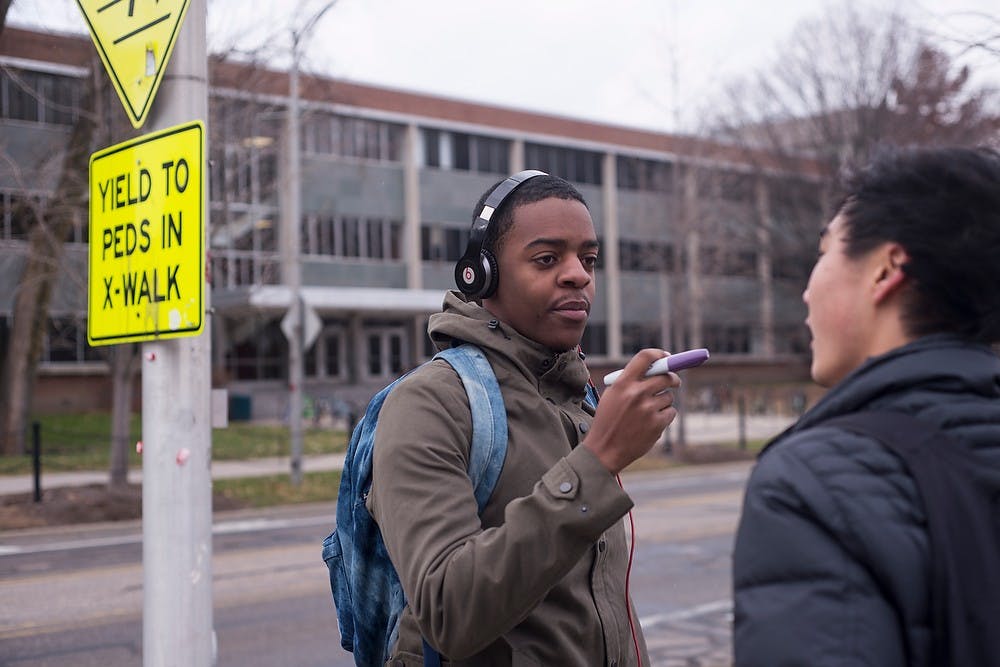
point(590, 261)
point(546, 260)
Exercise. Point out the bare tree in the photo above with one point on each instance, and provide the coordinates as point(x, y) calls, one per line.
point(50, 221)
point(842, 85)
point(849, 81)
point(122, 363)
point(51, 225)
point(4, 6)
point(971, 31)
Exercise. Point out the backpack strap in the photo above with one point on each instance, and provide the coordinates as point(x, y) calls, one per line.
point(961, 497)
point(488, 449)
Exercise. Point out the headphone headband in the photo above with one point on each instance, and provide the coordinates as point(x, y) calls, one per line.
point(475, 272)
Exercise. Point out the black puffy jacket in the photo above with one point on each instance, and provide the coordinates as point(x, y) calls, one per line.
point(831, 556)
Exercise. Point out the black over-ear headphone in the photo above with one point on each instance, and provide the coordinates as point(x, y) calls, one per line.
point(476, 272)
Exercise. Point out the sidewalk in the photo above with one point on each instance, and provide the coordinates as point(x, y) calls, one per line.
point(699, 428)
point(11, 484)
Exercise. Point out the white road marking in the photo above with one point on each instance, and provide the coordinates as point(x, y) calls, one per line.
point(684, 614)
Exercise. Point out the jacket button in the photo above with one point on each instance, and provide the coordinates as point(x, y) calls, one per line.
point(584, 427)
point(565, 487)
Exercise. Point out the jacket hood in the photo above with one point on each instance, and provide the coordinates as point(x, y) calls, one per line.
point(464, 321)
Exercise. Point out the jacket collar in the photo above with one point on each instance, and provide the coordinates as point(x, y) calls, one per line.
point(935, 362)
point(561, 374)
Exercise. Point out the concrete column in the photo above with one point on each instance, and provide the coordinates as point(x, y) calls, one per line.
point(612, 267)
point(695, 288)
point(411, 208)
point(517, 156)
point(764, 261)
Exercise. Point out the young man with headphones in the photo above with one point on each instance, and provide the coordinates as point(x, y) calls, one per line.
point(540, 576)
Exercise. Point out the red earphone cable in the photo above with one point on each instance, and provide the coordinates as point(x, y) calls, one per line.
point(631, 554)
point(628, 577)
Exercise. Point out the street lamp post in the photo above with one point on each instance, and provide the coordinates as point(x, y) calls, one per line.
point(292, 248)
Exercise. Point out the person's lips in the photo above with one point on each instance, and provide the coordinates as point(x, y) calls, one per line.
point(574, 309)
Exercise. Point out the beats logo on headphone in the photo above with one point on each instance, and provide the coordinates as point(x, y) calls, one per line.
point(476, 272)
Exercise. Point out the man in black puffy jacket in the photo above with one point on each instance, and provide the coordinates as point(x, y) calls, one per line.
point(831, 563)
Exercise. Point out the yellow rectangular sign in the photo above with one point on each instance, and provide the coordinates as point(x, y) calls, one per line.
point(147, 255)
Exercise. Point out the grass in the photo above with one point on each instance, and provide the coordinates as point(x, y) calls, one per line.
point(83, 442)
point(278, 489)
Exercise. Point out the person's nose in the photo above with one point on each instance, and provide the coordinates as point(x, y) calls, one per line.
point(575, 274)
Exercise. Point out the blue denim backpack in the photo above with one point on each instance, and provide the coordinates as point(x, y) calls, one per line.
point(366, 589)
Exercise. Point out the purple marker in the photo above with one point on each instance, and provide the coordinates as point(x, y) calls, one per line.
point(675, 362)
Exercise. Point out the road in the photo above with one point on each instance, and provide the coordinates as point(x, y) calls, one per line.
point(73, 596)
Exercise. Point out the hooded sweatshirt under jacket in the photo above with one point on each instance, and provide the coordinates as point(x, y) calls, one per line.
point(539, 578)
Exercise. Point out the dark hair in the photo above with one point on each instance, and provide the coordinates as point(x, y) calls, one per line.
point(942, 205)
point(530, 191)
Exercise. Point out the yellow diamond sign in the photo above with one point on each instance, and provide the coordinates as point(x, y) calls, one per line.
point(134, 39)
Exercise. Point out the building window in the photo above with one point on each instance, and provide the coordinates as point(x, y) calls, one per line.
point(595, 340)
point(351, 236)
point(66, 342)
point(794, 267)
point(465, 152)
point(735, 187)
point(792, 339)
point(351, 230)
point(259, 356)
point(572, 164)
point(385, 352)
point(460, 151)
point(39, 96)
point(346, 136)
point(432, 147)
point(490, 156)
point(648, 256)
point(645, 175)
point(727, 339)
point(326, 357)
point(640, 335)
point(241, 175)
point(19, 214)
point(442, 244)
point(716, 261)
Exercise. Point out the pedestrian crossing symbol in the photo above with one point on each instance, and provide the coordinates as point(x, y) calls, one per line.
point(134, 39)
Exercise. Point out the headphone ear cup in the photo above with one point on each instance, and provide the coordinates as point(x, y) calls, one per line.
point(492, 277)
point(468, 276)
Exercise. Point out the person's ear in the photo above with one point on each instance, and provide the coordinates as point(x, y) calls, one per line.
point(890, 276)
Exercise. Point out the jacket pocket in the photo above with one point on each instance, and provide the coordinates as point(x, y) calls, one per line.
point(333, 556)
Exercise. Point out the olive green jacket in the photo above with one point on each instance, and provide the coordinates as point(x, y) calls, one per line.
point(539, 578)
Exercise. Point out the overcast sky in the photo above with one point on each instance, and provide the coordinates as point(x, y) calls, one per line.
point(644, 63)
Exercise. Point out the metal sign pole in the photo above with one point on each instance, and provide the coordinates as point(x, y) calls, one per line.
point(176, 423)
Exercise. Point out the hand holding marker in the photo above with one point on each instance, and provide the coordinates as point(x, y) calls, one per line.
point(675, 362)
